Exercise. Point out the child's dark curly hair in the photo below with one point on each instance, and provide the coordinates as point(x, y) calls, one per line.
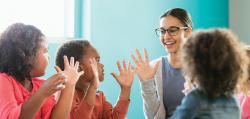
point(18, 47)
point(73, 48)
point(214, 60)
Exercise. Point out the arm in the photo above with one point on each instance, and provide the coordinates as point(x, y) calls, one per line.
point(125, 80)
point(146, 74)
point(34, 103)
point(9, 109)
point(151, 101)
point(118, 112)
point(85, 109)
point(63, 106)
point(27, 110)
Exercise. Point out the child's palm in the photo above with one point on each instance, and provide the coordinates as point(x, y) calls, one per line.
point(126, 77)
point(93, 65)
point(70, 70)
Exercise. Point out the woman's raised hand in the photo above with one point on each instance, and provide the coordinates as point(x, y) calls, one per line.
point(143, 68)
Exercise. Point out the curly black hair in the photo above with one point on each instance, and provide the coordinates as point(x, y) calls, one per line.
point(18, 47)
point(213, 59)
point(73, 48)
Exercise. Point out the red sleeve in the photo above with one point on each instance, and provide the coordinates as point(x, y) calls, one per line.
point(118, 112)
point(245, 105)
point(81, 110)
point(9, 109)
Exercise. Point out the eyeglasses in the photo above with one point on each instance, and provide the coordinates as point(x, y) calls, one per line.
point(172, 31)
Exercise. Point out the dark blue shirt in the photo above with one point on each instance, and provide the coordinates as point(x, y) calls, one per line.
point(173, 84)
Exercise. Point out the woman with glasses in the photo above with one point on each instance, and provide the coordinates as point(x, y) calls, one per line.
point(162, 80)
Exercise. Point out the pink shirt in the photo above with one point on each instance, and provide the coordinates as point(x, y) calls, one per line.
point(245, 107)
point(13, 95)
point(101, 110)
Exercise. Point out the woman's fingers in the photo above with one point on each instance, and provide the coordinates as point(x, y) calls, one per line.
point(134, 59)
point(138, 55)
point(146, 55)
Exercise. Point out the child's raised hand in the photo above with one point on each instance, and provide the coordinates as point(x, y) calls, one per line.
point(93, 65)
point(70, 70)
point(53, 84)
point(126, 77)
point(143, 68)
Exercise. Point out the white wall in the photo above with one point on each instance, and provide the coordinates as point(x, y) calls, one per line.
point(239, 22)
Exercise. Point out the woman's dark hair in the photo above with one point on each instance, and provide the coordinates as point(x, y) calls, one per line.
point(18, 47)
point(213, 59)
point(73, 48)
point(180, 14)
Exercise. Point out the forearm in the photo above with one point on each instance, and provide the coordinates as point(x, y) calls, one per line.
point(151, 101)
point(63, 107)
point(32, 106)
point(125, 93)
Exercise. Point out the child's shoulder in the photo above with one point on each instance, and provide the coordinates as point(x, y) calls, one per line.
point(195, 95)
point(4, 78)
point(38, 81)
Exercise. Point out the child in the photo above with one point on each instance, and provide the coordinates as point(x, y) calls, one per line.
point(245, 99)
point(213, 60)
point(88, 102)
point(24, 58)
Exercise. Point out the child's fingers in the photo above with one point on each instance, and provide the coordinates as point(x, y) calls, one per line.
point(66, 61)
point(80, 73)
point(124, 64)
point(76, 65)
point(72, 61)
point(60, 87)
point(115, 76)
point(129, 66)
point(119, 66)
point(58, 69)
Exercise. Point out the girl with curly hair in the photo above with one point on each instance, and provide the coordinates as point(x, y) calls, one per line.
point(245, 90)
point(23, 59)
point(214, 61)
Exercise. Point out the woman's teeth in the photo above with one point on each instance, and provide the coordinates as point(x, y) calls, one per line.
point(169, 42)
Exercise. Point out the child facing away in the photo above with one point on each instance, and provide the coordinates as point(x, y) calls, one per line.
point(89, 103)
point(245, 90)
point(24, 58)
point(213, 60)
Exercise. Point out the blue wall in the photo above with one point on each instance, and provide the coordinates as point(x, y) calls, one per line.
point(119, 26)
